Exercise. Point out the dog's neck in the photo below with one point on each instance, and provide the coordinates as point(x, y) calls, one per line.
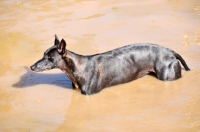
point(79, 61)
point(74, 65)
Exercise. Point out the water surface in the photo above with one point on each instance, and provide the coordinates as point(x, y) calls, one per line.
point(42, 102)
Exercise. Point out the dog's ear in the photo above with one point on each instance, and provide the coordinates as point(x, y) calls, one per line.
point(61, 47)
point(56, 41)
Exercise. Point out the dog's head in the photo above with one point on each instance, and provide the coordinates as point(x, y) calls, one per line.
point(53, 57)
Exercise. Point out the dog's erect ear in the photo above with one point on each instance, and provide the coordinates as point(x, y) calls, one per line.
point(61, 47)
point(56, 41)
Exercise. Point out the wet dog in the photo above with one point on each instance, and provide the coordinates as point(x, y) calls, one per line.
point(90, 74)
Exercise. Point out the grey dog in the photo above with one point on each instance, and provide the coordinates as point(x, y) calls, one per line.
point(91, 73)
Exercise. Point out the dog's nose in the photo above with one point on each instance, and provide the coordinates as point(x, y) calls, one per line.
point(32, 68)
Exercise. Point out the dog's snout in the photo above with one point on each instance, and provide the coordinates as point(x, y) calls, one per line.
point(32, 67)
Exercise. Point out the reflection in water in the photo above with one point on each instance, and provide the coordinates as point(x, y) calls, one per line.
point(30, 79)
point(42, 102)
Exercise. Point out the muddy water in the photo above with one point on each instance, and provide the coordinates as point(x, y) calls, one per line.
point(41, 102)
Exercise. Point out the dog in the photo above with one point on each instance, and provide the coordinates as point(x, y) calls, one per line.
point(90, 74)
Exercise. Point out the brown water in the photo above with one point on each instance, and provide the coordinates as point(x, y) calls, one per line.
point(42, 102)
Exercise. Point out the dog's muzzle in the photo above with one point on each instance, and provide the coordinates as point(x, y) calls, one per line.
point(33, 67)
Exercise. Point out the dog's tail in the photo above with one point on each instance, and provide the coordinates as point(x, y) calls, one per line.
point(181, 60)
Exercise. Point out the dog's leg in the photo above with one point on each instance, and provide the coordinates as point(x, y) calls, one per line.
point(170, 72)
point(74, 82)
point(75, 87)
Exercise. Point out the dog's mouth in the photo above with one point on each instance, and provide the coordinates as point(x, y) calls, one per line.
point(35, 69)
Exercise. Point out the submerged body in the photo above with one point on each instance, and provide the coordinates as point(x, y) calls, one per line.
point(92, 73)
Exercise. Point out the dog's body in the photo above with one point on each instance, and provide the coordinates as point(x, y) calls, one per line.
point(92, 73)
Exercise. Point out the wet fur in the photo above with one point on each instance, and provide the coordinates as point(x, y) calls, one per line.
point(90, 74)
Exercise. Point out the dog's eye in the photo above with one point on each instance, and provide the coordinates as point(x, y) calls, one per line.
point(50, 58)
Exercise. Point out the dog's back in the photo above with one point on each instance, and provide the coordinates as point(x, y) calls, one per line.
point(125, 64)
